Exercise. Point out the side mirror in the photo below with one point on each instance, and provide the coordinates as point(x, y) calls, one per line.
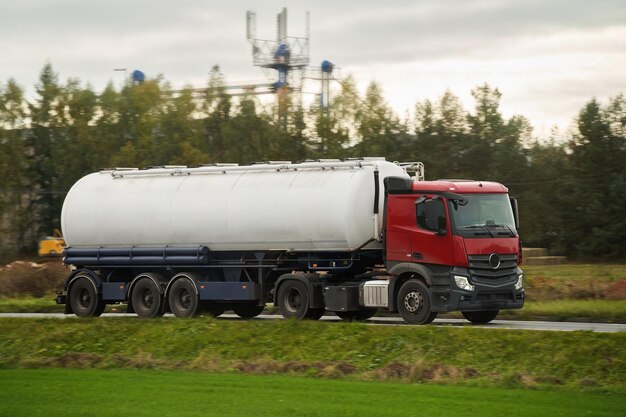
point(515, 211)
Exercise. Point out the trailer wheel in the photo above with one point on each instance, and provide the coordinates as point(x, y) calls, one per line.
point(84, 300)
point(293, 300)
point(146, 298)
point(414, 302)
point(248, 311)
point(315, 313)
point(183, 299)
point(480, 317)
point(215, 309)
point(357, 315)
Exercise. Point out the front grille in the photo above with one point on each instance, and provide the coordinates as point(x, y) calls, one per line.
point(495, 296)
point(482, 272)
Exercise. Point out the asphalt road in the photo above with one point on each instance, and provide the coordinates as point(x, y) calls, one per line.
point(396, 321)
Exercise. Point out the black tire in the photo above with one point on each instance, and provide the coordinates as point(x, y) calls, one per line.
point(147, 299)
point(247, 311)
point(431, 317)
point(357, 315)
point(480, 317)
point(214, 309)
point(84, 300)
point(414, 302)
point(315, 313)
point(293, 300)
point(183, 299)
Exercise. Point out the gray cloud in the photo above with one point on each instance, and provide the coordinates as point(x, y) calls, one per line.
point(404, 33)
point(407, 42)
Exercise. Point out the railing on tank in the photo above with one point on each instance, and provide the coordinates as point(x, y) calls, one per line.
point(415, 169)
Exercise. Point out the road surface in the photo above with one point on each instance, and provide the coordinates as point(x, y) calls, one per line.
point(396, 321)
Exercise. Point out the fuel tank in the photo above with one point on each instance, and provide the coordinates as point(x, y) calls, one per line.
point(307, 206)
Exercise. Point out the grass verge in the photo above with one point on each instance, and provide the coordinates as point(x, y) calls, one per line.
point(612, 311)
point(66, 393)
point(481, 357)
point(575, 281)
point(577, 271)
point(29, 305)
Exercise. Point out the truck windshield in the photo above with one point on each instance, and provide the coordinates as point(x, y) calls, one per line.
point(484, 211)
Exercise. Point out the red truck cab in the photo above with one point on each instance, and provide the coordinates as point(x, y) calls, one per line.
point(459, 239)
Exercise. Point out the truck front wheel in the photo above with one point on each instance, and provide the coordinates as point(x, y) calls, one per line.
point(293, 300)
point(84, 300)
point(480, 317)
point(183, 298)
point(414, 302)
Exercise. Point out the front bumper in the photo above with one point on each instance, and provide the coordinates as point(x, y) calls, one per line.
point(500, 295)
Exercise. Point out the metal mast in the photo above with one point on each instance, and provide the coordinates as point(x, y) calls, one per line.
point(287, 55)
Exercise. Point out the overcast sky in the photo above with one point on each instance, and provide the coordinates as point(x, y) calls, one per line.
point(547, 57)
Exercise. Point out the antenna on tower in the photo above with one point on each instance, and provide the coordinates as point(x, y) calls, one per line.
point(281, 24)
point(250, 25)
point(288, 56)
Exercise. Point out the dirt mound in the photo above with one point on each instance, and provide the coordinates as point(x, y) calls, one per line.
point(617, 291)
point(323, 369)
point(419, 372)
point(22, 278)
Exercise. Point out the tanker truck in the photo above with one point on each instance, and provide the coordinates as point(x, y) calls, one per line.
point(350, 237)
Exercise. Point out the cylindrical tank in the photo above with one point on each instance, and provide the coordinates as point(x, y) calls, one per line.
point(309, 206)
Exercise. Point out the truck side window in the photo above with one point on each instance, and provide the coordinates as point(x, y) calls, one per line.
point(431, 214)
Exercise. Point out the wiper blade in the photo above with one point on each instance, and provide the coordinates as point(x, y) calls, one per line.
point(507, 227)
point(478, 226)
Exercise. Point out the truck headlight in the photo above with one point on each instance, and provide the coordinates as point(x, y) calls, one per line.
point(463, 283)
point(520, 282)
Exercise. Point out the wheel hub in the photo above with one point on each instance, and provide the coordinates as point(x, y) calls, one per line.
point(294, 301)
point(84, 298)
point(413, 302)
point(147, 298)
point(184, 299)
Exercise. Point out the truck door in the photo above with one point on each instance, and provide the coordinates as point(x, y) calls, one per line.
point(399, 225)
point(431, 241)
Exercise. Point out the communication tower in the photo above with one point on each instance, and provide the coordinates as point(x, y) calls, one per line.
point(287, 55)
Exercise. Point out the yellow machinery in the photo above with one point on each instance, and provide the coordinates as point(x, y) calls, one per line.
point(52, 245)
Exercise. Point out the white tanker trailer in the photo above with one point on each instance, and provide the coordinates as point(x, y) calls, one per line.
point(310, 206)
point(308, 237)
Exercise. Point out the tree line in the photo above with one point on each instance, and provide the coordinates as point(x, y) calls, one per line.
point(572, 193)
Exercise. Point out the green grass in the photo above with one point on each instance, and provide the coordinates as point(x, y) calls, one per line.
point(572, 310)
point(66, 393)
point(46, 304)
point(575, 271)
point(575, 281)
point(30, 305)
point(481, 357)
